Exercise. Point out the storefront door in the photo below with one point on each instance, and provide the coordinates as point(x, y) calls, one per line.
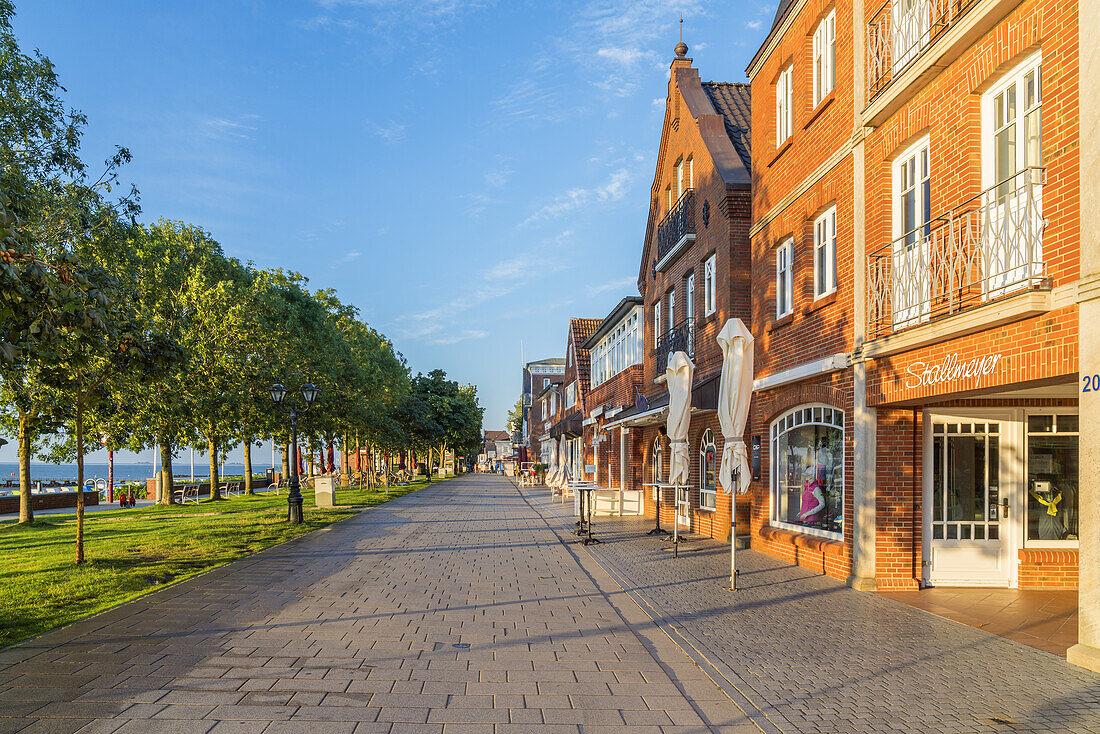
point(683, 507)
point(969, 498)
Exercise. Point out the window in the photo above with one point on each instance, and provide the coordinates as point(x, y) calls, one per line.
point(784, 279)
point(708, 472)
point(668, 195)
point(671, 309)
point(569, 357)
point(679, 178)
point(1012, 159)
point(824, 58)
point(1052, 479)
point(656, 323)
point(825, 253)
point(553, 403)
point(691, 173)
point(689, 297)
point(807, 482)
point(571, 395)
point(545, 382)
point(784, 114)
point(709, 292)
point(656, 467)
point(911, 294)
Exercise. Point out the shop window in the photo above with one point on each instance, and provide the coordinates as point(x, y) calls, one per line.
point(708, 472)
point(1052, 479)
point(808, 471)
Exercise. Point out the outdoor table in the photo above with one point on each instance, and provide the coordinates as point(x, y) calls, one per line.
point(586, 502)
point(581, 487)
point(658, 530)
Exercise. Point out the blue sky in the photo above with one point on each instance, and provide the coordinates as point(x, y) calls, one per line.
point(469, 174)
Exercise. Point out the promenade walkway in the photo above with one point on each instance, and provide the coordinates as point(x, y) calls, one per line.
point(452, 609)
point(811, 655)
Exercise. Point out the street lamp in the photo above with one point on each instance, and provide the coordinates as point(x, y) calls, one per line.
point(309, 397)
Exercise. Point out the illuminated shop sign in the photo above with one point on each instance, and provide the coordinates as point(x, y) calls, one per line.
point(923, 374)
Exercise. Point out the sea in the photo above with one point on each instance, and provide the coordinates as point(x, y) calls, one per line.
point(9, 471)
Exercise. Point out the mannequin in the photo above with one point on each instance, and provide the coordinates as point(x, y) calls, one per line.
point(1051, 526)
point(813, 495)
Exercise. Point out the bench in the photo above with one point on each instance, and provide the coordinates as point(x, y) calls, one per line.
point(186, 493)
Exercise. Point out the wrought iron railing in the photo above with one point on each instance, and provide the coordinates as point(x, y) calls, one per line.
point(900, 31)
point(678, 223)
point(680, 338)
point(988, 247)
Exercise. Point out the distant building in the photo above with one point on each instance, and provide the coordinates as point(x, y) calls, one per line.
point(537, 376)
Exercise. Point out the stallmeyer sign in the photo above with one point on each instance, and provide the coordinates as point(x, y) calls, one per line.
point(921, 374)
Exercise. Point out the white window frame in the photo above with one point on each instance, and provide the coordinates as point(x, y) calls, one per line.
point(689, 295)
point(784, 106)
point(691, 172)
point(710, 292)
point(708, 496)
point(1023, 449)
point(679, 179)
point(671, 309)
point(657, 323)
point(825, 253)
point(824, 58)
point(784, 278)
point(570, 395)
point(545, 382)
point(792, 419)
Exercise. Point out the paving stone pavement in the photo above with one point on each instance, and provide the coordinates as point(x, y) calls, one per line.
point(815, 656)
point(457, 608)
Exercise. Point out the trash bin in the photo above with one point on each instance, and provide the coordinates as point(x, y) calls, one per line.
point(324, 491)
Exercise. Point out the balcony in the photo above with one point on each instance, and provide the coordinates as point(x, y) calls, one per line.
point(676, 230)
point(901, 31)
point(680, 338)
point(986, 249)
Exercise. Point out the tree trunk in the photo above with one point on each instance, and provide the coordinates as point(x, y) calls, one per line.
point(286, 461)
point(79, 484)
point(212, 448)
point(247, 445)
point(428, 466)
point(26, 511)
point(166, 486)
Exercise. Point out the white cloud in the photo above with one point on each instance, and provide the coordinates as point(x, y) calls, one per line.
point(614, 189)
point(754, 25)
point(391, 133)
point(454, 337)
point(614, 285)
point(352, 256)
point(620, 55)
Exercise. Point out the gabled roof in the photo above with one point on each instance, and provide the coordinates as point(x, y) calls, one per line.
point(733, 102)
point(579, 332)
point(497, 436)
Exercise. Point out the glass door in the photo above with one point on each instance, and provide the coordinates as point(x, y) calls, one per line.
point(967, 503)
point(683, 507)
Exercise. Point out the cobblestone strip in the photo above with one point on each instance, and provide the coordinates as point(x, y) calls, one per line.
point(815, 656)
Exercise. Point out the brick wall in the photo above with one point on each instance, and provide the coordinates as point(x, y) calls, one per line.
point(1047, 569)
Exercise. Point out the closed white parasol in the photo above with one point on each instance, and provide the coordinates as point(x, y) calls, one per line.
point(564, 471)
point(552, 466)
point(734, 394)
point(678, 376)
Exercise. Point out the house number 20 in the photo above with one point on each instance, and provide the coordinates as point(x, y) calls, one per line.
point(1090, 383)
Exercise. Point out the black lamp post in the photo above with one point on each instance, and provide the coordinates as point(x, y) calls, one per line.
point(309, 396)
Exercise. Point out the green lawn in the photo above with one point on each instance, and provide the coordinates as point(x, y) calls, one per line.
point(132, 552)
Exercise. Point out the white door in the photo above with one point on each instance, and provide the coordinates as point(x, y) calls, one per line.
point(1012, 234)
point(969, 495)
point(683, 507)
point(912, 264)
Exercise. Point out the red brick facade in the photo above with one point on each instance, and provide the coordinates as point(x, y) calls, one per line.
point(1014, 353)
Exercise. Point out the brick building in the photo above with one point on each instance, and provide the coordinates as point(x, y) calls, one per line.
point(916, 266)
point(694, 275)
point(537, 376)
point(568, 399)
point(616, 350)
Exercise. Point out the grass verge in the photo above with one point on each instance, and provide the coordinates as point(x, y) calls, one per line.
point(132, 552)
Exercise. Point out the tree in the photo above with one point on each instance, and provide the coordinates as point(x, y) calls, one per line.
point(515, 418)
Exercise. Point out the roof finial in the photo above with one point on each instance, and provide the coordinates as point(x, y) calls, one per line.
point(681, 47)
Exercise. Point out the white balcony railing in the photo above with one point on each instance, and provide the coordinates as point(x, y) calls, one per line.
point(900, 31)
point(988, 247)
